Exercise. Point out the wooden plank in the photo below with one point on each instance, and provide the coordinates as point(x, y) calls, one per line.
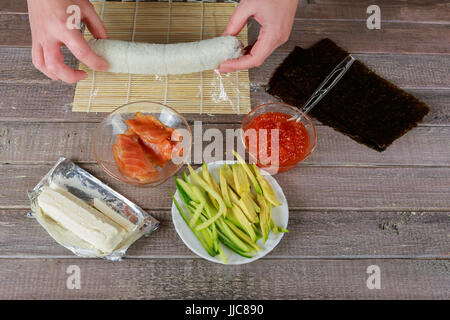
point(305, 187)
point(393, 11)
point(421, 38)
point(404, 38)
point(437, 100)
point(52, 102)
point(14, 30)
point(418, 11)
point(312, 234)
point(13, 6)
point(16, 66)
point(154, 279)
point(31, 143)
point(405, 71)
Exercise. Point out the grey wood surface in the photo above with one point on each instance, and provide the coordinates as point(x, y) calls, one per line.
point(194, 278)
point(314, 234)
point(350, 206)
point(28, 143)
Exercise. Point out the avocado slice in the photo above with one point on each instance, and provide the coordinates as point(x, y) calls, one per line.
point(268, 192)
point(264, 217)
point(228, 174)
point(247, 207)
point(276, 229)
point(240, 179)
point(233, 196)
point(210, 181)
point(242, 218)
point(249, 173)
point(224, 188)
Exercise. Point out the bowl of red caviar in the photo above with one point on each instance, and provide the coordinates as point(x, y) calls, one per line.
point(274, 141)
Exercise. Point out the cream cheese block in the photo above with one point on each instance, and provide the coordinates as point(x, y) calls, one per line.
point(84, 221)
point(113, 215)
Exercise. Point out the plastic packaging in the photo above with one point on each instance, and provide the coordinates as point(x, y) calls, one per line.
point(67, 175)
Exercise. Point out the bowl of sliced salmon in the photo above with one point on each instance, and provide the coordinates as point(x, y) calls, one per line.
point(142, 143)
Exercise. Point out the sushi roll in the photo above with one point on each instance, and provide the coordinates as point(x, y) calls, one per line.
point(166, 59)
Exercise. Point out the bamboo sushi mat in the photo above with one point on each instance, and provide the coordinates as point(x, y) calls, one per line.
point(165, 22)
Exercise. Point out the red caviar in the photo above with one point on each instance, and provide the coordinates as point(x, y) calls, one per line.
point(293, 139)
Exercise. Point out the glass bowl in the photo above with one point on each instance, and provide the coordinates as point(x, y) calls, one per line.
point(282, 108)
point(114, 124)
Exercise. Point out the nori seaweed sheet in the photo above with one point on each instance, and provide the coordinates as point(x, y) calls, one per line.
point(364, 106)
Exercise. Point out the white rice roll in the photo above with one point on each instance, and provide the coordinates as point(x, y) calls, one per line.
point(165, 59)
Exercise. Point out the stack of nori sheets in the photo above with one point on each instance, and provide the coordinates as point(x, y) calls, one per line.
point(364, 106)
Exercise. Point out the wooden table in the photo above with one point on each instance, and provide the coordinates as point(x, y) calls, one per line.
point(350, 207)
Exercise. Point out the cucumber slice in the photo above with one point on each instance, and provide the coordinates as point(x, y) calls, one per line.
point(222, 255)
point(196, 233)
point(197, 213)
point(185, 189)
point(242, 235)
point(233, 247)
point(223, 227)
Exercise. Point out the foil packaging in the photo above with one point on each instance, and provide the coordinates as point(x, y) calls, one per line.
point(67, 175)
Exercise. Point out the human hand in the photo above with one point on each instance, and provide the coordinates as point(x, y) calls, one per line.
point(275, 17)
point(48, 22)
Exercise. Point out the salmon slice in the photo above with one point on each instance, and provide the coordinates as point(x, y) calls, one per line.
point(148, 128)
point(149, 153)
point(131, 159)
point(152, 156)
point(154, 135)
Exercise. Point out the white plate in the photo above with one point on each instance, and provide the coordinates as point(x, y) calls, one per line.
point(280, 216)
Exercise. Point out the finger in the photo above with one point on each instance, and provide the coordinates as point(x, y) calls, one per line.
point(242, 63)
point(54, 63)
point(260, 51)
point(81, 50)
point(238, 19)
point(37, 56)
point(94, 23)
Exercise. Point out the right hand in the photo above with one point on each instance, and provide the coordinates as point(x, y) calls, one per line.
point(48, 22)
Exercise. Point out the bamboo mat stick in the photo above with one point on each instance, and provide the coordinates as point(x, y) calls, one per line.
point(165, 22)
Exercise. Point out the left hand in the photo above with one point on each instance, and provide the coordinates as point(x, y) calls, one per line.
point(276, 18)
